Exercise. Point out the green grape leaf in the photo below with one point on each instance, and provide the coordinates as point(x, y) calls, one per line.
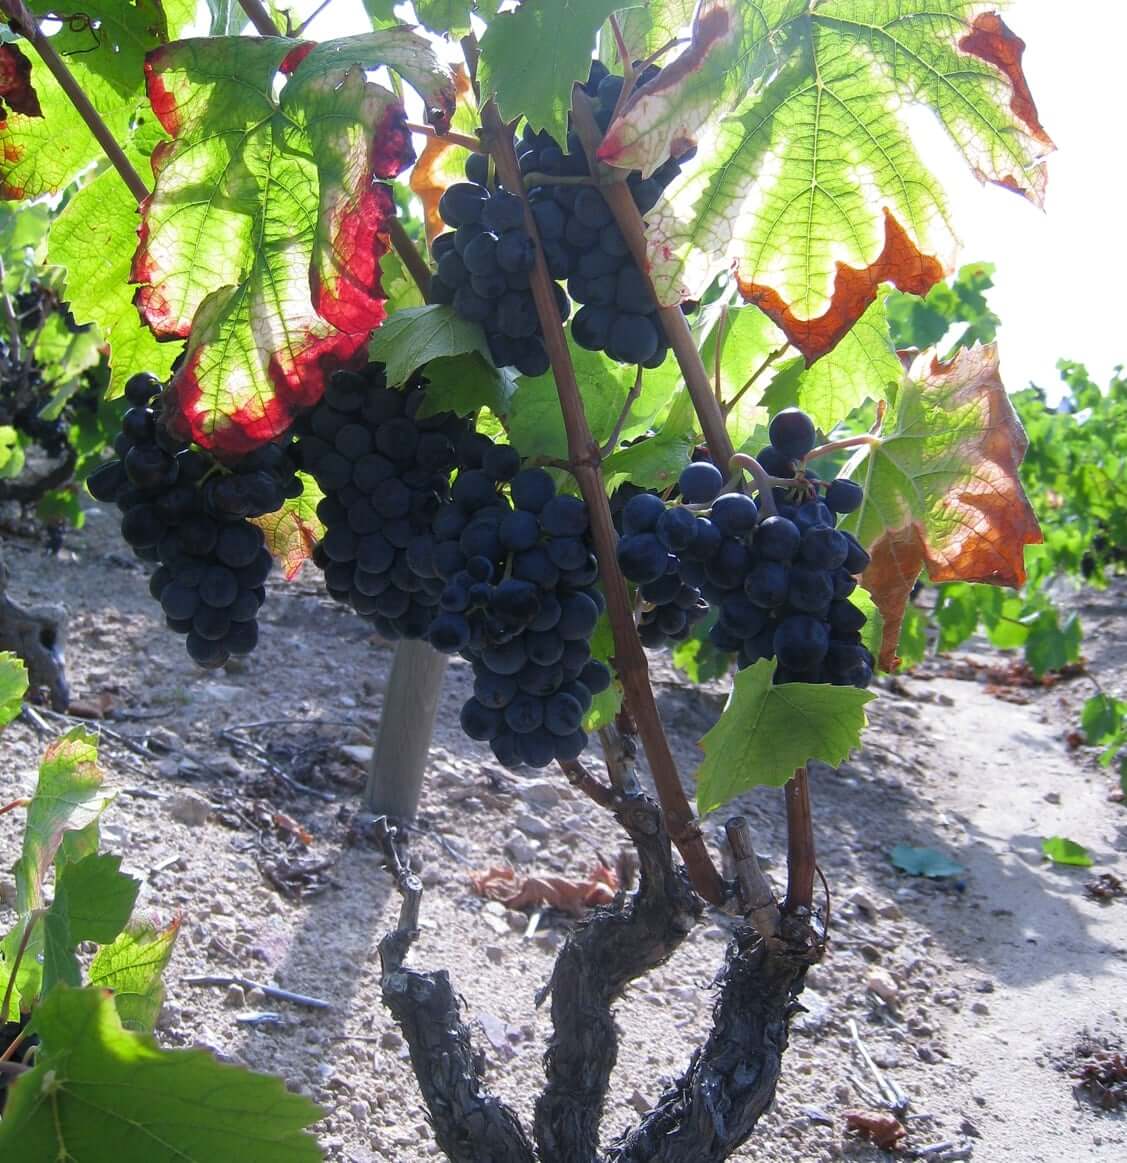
point(648, 27)
point(13, 686)
point(93, 237)
point(863, 366)
point(449, 16)
point(1064, 851)
point(1051, 646)
point(1102, 718)
point(941, 486)
point(409, 339)
point(97, 1088)
point(697, 658)
point(912, 645)
point(812, 186)
point(606, 704)
point(42, 154)
point(654, 463)
point(530, 58)
point(464, 383)
point(767, 731)
point(293, 530)
point(64, 356)
point(872, 634)
point(261, 240)
point(12, 456)
point(93, 900)
point(132, 967)
point(68, 796)
point(924, 862)
point(535, 421)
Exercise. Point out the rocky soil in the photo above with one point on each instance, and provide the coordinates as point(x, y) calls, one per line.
point(973, 996)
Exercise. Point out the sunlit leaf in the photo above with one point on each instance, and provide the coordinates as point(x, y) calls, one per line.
point(768, 731)
point(131, 967)
point(531, 57)
point(812, 186)
point(607, 703)
point(293, 530)
point(13, 686)
point(409, 339)
point(1064, 851)
point(98, 1088)
point(941, 486)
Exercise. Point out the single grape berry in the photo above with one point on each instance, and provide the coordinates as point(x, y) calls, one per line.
point(792, 432)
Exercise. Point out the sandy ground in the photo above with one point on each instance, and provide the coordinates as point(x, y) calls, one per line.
point(973, 995)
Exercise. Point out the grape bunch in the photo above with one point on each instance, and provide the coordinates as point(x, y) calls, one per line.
point(780, 580)
point(184, 511)
point(483, 270)
point(384, 472)
point(671, 607)
point(518, 602)
point(583, 244)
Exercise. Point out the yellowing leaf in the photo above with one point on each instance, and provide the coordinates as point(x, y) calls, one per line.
point(767, 731)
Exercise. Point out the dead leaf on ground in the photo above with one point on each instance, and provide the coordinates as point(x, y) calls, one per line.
point(97, 707)
point(557, 892)
point(880, 1128)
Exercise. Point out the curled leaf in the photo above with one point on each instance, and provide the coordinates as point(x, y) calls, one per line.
point(16, 89)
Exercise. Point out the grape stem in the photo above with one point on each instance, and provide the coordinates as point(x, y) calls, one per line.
point(763, 480)
point(470, 143)
point(751, 380)
point(631, 398)
point(409, 255)
point(13, 806)
point(629, 658)
point(26, 24)
point(837, 445)
point(260, 18)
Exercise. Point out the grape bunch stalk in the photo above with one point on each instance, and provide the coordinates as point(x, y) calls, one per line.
point(519, 602)
point(485, 261)
point(184, 511)
point(775, 566)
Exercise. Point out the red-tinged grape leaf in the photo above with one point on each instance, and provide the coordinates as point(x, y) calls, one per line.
point(442, 162)
point(293, 530)
point(530, 58)
point(262, 239)
point(767, 731)
point(733, 44)
point(98, 1090)
point(942, 489)
point(16, 89)
point(812, 188)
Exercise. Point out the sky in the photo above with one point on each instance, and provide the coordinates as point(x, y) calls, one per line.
point(1058, 273)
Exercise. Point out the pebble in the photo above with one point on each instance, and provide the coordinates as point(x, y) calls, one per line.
point(391, 1040)
point(519, 850)
point(223, 692)
point(188, 809)
point(880, 982)
point(494, 953)
point(539, 793)
point(533, 826)
point(236, 997)
point(359, 753)
point(980, 1007)
point(639, 1102)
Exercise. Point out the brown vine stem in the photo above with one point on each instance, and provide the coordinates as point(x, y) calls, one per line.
point(409, 253)
point(13, 806)
point(751, 380)
point(26, 24)
point(800, 834)
point(260, 18)
point(25, 938)
point(452, 137)
point(801, 864)
point(630, 659)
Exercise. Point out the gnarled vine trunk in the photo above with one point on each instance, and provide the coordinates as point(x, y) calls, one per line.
point(36, 635)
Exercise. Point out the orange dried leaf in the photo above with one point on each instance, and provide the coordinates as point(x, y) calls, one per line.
point(557, 892)
point(442, 162)
point(942, 487)
point(880, 1128)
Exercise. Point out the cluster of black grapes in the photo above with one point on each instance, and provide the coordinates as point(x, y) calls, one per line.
point(519, 602)
point(384, 471)
point(484, 263)
point(186, 512)
point(483, 269)
point(781, 581)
